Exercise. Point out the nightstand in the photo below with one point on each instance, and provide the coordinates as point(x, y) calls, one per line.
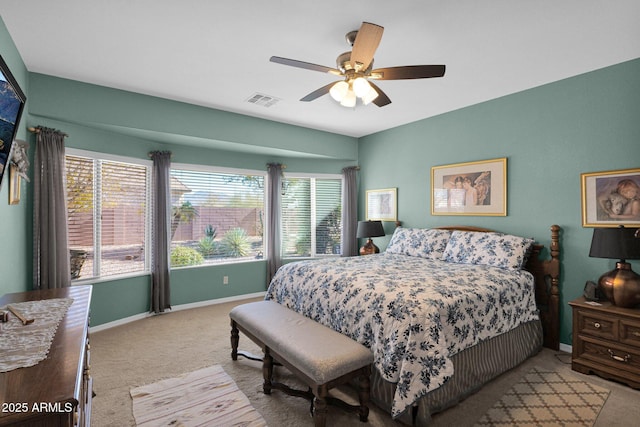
point(606, 341)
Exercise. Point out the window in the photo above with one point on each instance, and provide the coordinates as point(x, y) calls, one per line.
point(108, 215)
point(311, 216)
point(217, 215)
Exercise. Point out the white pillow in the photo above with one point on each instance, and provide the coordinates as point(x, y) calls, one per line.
point(495, 249)
point(419, 242)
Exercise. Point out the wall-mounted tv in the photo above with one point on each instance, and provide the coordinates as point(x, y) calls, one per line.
point(12, 102)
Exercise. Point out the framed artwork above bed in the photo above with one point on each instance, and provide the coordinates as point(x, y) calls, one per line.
point(611, 198)
point(472, 188)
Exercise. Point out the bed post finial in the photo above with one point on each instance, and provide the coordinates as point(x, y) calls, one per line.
point(553, 265)
point(555, 241)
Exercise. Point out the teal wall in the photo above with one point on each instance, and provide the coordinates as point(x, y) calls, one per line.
point(164, 121)
point(15, 232)
point(549, 135)
point(117, 299)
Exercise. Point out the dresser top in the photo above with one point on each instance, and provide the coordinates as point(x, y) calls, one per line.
point(56, 378)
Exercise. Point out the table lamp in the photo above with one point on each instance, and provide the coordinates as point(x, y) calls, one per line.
point(621, 286)
point(369, 229)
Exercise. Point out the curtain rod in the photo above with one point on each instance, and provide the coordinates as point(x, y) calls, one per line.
point(37, 130)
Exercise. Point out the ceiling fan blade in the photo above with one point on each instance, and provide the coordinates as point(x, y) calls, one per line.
point(365, 45)
point(408, 72)
point(305, 65)
point(382, 98)
point(318, 92)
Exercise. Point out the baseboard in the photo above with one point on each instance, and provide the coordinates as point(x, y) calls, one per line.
point(119, 322)
point(566, 347)
point(180, 307)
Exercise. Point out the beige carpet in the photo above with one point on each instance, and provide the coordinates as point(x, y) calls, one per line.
point(206, 397)
point(547, 398)
point(159, 347)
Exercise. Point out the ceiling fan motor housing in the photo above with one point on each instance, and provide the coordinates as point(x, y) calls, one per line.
point(343, 63)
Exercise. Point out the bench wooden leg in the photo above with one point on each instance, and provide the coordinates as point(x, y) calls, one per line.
point(364, 391)
point(235, 339)
point(320, 408)
point(267, 371)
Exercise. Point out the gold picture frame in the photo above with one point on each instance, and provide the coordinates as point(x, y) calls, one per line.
point(381, 205)
point(472, 188)
point(14, 185)
point(611, 198)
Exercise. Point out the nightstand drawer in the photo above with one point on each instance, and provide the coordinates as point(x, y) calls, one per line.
point(630, 332)
point(619, 357)
point(597, 325)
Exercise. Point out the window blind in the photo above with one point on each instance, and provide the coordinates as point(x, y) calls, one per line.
point(108, 216)
point(311, 216)
point(217, 216)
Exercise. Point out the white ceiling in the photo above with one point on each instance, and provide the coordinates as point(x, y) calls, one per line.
point(216, 53)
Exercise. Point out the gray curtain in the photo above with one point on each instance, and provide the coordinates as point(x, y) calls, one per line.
point(161, 234)
point(274, 200)
point(349, 211)
point(51, 265)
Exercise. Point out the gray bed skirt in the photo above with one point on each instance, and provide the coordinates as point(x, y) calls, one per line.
point(473, 368)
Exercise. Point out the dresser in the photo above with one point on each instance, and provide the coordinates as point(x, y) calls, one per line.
point(606, 341)
point(58, 390)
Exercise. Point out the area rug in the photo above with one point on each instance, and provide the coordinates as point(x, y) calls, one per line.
point(543, 398)
point(207, 397)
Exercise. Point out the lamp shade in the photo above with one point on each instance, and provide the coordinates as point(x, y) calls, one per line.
point(369, 229)
point(615, 243)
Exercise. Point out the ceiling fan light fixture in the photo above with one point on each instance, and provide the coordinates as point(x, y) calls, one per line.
point(349, 99)
point(339, 90)
point(361, 87)
point(370, 96)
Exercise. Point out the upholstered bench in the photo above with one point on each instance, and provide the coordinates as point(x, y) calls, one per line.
point(317, 355)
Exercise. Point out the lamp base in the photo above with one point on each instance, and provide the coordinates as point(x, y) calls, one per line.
point(369, 248)
point(621, 286)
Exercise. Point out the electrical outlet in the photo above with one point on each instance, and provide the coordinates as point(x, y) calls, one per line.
point(225, 280)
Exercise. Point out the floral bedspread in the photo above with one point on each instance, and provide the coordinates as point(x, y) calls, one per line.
point(413, 313)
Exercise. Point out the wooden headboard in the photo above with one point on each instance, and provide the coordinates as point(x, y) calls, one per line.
point(547, 278)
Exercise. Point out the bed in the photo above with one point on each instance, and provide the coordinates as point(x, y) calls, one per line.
point(444, 310)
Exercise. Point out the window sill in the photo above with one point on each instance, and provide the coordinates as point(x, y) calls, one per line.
point(95, 280)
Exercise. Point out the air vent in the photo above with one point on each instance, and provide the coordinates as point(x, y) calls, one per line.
point(263, 100)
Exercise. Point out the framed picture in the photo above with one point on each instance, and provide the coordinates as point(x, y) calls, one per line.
point(611, 198)
point(382, 204)
point(14, 185)
point(473, 188)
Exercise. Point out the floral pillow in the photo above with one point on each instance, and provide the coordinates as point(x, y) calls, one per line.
point(495, 249)
point(419, 242)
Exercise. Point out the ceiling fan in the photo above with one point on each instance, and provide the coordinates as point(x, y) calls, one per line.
point(356, 67)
